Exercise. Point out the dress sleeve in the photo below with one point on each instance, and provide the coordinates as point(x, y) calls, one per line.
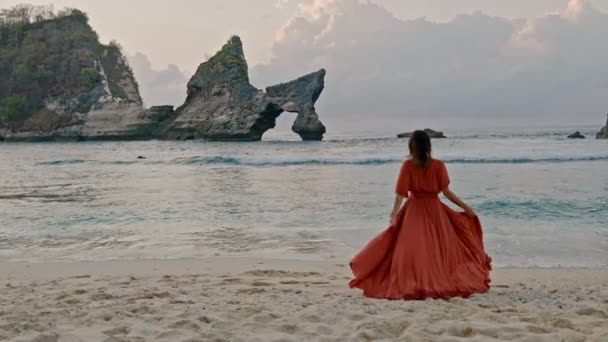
point(403, 182)
point(444, 178)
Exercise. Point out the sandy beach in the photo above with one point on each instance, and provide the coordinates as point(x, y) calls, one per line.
point(243, 299)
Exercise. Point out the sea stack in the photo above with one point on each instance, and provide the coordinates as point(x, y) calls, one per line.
point(432, 133)
point(576, 135)
point(603, 133)
point(223, 106)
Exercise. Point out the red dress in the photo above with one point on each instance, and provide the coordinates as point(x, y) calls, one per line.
point(431, 251)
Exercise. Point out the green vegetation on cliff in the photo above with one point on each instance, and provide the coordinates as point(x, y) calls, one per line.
point(231, 57)
point(52, 56)
point(11, 107)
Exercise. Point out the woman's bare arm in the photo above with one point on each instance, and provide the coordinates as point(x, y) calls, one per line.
point(396, 206)
point(454, 199)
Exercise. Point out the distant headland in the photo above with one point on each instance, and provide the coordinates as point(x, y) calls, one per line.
point(61, 84)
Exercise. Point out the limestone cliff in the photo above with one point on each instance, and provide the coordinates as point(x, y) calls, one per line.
point(223, 105)
point(60, 83)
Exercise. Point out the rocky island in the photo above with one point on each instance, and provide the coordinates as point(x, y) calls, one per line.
point(59, 83)
point(432, 133)
point(576, 135)
point(223, 105)
point(603, 133)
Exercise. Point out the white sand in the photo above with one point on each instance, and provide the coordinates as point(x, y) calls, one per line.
point(226, 299)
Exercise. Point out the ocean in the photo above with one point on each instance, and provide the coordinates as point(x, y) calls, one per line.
point(542, 198)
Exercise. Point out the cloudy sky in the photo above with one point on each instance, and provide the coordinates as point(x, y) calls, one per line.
point(389, 60)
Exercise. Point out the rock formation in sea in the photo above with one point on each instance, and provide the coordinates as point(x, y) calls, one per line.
point(603, 133)
point(432, 133)
point(71, 87)
point(576, 135)
point(223, 105)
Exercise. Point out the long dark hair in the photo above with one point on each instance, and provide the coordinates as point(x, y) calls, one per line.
point(420, 148)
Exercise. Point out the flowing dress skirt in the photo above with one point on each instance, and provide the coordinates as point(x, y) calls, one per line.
point(431, 251)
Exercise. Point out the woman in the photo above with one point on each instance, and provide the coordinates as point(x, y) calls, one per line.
point(429, 250)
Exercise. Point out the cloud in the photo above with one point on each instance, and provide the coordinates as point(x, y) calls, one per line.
point(158, 87)
point(281, 3)
point(473, 66)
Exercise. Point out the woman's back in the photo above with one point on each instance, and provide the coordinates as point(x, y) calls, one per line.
point(430, 179)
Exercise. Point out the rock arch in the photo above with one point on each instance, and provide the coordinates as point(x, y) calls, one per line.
point(222, 105)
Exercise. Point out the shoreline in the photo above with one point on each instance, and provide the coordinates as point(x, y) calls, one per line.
point(44, 270)
point(253, 299)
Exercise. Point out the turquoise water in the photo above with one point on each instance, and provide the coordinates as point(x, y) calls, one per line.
point(543, 199)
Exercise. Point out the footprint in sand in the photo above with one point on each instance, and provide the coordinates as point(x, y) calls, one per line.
point(536, 329)
point(124, 282)
point(288, 328)
point(356, 317)
point(290, 282)
point(101, 296)
point(434, 330)
point(84, 276)
point(115, 339)
point(185, 325)
point(107, 316)
point(72, 301)
point(592, 312)
point(142, 310)
point(324, 330)
point(530, 319)
point(181, 301)
point(384, 329)
point(121, 330)
point(42, 337)
point(251, 291)
point(312, 318)
point(265, 318)
point(562, 323)
point(228, 281)
point(154, 295)
point(461, 331)
point(62, 296)
point(260, 283)
point(205, 319)
point(490, 332)
point(170, 335)
point(166, 279)
point(291, 291)
point(281, 274)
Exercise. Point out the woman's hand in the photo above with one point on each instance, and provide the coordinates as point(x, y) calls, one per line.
point(396, 207)
point(393, 218)
point(452, 197)
point(469, 212)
